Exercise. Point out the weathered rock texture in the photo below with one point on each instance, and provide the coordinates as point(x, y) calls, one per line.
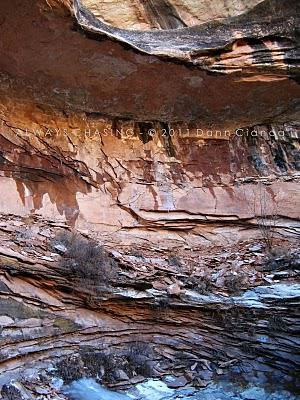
point(164, 14)
point(150, 125)
point(98, 130)
point(194, 332)
point(206, 191)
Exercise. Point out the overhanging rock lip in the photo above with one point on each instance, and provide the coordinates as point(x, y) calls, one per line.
point(188, 43)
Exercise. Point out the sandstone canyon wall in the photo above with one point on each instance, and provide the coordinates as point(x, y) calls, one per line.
point(130, 132)
point(162, 129)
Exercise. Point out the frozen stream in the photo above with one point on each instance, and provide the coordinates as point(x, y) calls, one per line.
point(88, 389)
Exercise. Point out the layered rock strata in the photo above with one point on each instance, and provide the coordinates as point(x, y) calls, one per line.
point(154, 128)
point(194, 332)
point(126, 133)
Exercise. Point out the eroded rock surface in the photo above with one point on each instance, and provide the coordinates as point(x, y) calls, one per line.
point(164, 14)
point(168, 131)
point(189, 190)
point(214, 325)
point(115, 139)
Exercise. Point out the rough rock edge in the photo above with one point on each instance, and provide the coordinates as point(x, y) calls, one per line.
point(192, 44)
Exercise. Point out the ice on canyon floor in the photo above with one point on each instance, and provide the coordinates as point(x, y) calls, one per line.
point(157, 390)
point(84, 389)
point(152, 389)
